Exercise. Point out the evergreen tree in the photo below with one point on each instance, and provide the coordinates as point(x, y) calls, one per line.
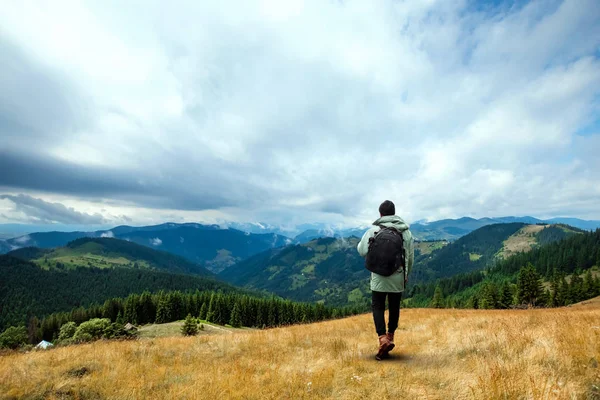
point(163, 312)
point(554, 289)
point(236, 317)
point(576, 288)
point(472, 302)
point(203, 311)
point(438, 298)
point(529, 286)
point(562, 298)
point(488, 296)
point(212, 306)
point(546, 299)
point(506, 296)
point(33, 330)
point(189, 328)
point(147, 309)
point(587, 287)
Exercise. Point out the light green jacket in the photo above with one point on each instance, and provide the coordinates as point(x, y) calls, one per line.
point(395, 282)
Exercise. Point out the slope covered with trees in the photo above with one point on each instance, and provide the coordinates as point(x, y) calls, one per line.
point(471, 252)
point(27, 290)
point(328, 270)
point(563, 272)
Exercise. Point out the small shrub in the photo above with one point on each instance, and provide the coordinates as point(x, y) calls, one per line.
point(13, 337)
point(91, 330)
point(67, 331)
point(189, 327)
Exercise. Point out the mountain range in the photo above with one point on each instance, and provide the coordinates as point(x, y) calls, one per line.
point(108, 253)
point(325, 270)
point(330, 270)
point(207, 245)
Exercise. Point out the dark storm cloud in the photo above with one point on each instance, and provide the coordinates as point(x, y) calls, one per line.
point(45, 212)
point(167, 189)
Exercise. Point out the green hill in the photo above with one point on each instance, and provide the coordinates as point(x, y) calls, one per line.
point(485, 246)
point(576, 255)
point(108, 253)
point(27, 290)
point(326, 270)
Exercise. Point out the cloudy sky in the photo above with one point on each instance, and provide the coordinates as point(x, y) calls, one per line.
point(287, 112)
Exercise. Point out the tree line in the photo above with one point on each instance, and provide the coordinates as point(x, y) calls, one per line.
point(220, 308)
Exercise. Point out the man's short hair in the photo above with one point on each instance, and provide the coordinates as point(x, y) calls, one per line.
point(387, 208)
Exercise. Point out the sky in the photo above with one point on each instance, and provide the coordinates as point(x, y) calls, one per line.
point(143, 112)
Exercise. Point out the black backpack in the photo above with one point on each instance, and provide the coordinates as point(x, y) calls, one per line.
point(386, 252)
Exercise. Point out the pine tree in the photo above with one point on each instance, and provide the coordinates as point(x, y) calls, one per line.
point(189, 328)
point(163, 313)
point(529, 286)
point(575, 288)
point(506, 296)
point(210, 313)
point(546, 299)
point(236, 317)
point(203, 311)
point(562, 298)
point(488, 296)
point(438, 298)
point(554, 288)
point(587, 288)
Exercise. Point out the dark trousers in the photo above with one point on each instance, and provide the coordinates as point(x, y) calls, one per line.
point(378, 307)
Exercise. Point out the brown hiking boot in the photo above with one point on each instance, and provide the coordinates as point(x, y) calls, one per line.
point(390, 337)
point(384, 345)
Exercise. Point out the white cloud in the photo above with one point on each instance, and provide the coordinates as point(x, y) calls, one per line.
point(107, 234)
point(23, 239)
point(307, 110)
point(155, 242)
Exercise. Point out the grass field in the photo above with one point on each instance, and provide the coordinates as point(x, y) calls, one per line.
point(440, 354)
point(171, 329)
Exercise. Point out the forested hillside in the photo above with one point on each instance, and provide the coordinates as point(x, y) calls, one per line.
point(560, 273)
point(471, 252)
point(326, 269)
point(27, 290)
point(331, 270)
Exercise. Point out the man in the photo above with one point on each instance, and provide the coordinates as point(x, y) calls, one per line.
point(388, 286)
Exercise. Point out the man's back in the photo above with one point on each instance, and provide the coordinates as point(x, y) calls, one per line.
point(395, 282)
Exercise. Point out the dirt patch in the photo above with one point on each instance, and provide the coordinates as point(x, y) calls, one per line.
point(78, 372)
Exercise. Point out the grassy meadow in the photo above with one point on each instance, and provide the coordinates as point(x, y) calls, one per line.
point(440, 354)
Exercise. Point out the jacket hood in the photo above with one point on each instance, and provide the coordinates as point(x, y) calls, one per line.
point(392, 221)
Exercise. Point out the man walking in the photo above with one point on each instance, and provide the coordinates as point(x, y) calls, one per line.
point(388, 242)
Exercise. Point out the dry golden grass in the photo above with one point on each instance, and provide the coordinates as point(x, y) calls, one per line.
point(440, 354)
